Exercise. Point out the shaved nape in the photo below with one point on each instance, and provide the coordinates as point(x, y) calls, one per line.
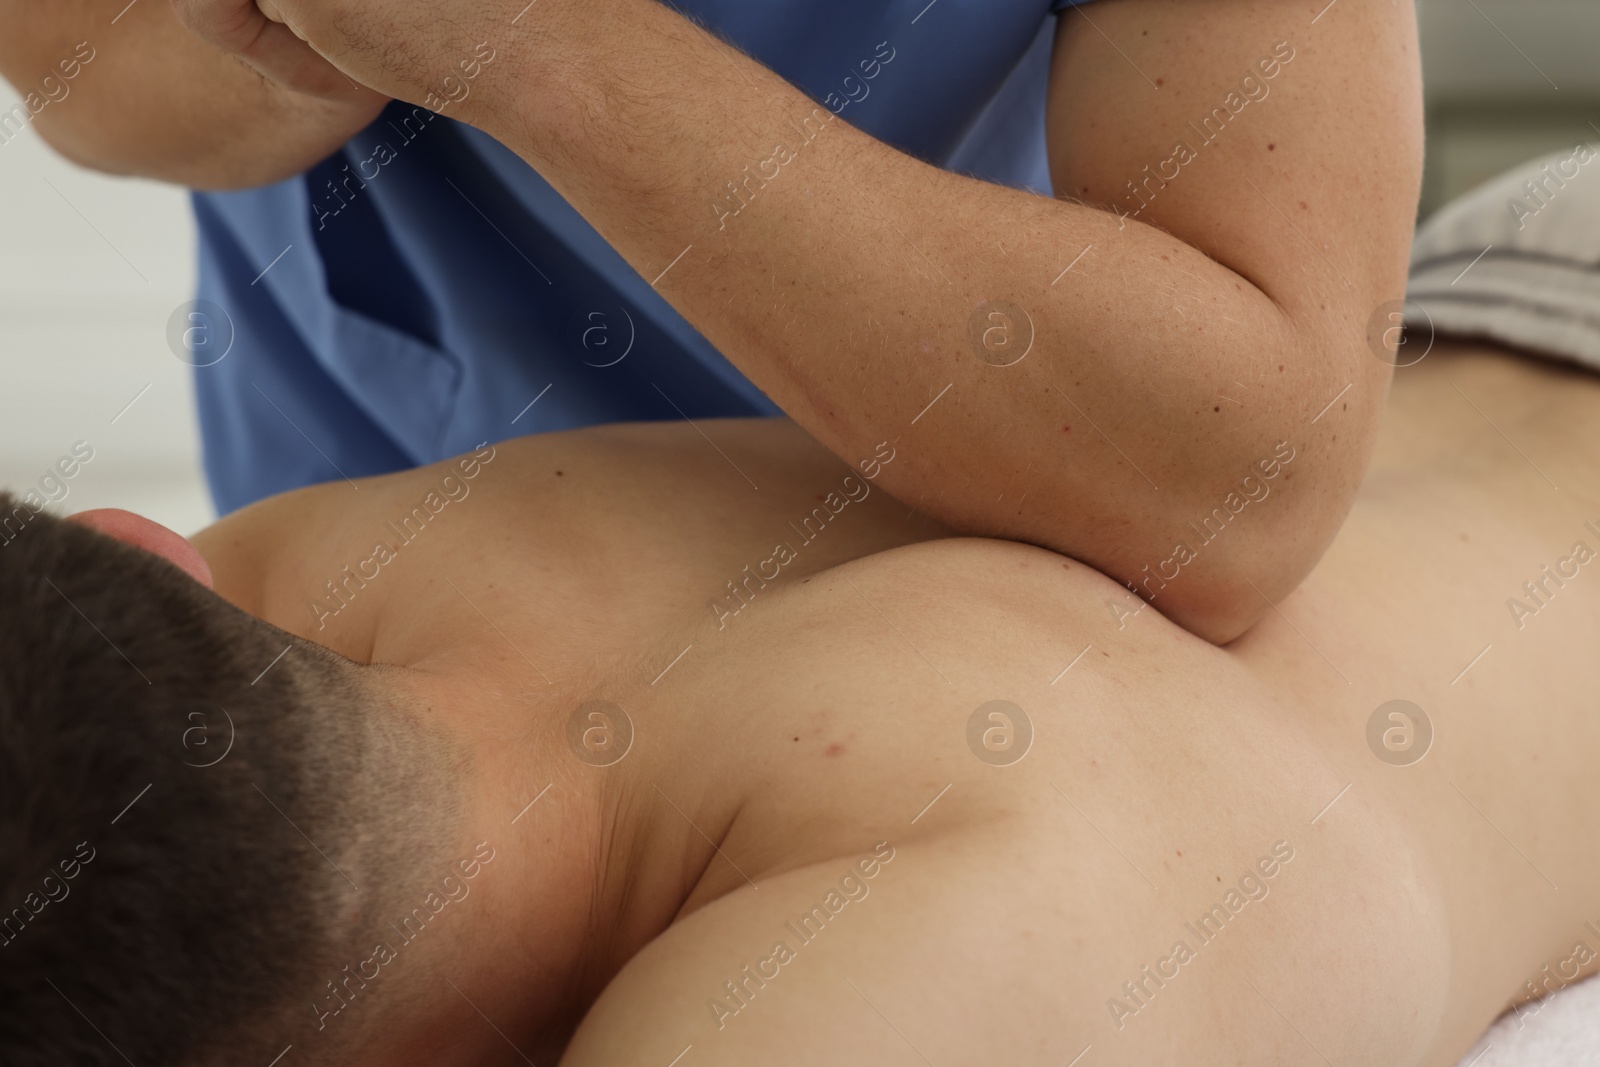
point(205, 819)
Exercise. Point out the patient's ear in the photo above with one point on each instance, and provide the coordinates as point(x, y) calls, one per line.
point(153, 537)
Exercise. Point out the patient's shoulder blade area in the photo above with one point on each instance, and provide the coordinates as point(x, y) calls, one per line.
point(1200, 847)
point(1160, 799)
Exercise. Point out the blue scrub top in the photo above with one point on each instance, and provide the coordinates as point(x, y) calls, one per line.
point(411, 296)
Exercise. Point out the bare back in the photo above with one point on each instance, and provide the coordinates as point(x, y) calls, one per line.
point(1157, 848)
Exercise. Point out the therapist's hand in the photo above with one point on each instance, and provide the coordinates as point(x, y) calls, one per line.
point(265, 37)
point(336, 48)
point(470, 58)
point(154, 100)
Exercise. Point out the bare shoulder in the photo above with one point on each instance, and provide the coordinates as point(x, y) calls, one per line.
point(1009, 575)
point(985, 600)
point(972, 804)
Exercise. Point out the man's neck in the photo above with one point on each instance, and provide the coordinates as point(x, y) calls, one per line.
point(567, 897)
point(591, 855)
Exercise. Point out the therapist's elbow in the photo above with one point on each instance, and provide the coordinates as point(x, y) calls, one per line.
point(1231, 598)
point(1233, 561)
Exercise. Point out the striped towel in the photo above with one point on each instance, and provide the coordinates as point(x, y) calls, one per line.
point(1517, 260)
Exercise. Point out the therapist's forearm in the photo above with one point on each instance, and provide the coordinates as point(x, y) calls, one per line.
point(851, 283)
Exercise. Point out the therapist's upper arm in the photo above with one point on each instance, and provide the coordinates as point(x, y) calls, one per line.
point(1280, 137)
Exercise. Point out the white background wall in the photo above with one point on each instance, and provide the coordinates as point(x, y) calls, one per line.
point(91, 267)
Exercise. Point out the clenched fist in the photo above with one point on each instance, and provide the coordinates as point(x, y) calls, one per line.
point(269, 45)
point(424, 51)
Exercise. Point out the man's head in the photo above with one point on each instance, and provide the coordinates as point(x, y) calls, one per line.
point(203, 819)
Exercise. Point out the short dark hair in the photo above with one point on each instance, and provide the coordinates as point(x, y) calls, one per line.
point(161, 902)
